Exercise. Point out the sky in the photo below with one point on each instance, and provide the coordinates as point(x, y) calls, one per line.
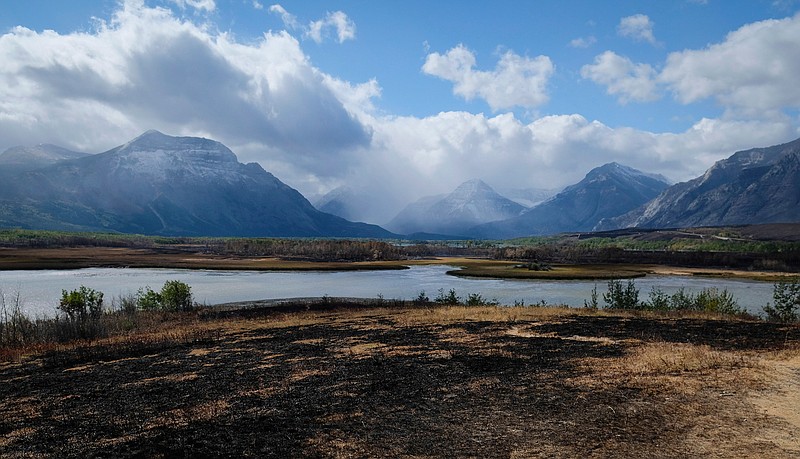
point(399, 100)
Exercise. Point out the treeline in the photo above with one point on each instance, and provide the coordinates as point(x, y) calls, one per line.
point(57, 239)
point(347, 250)
point(310, 249)
point(756, 255)
point(691, 244)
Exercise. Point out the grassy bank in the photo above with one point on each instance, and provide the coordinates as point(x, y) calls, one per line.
point(124, 257)
point(512, 270)
point(330, 379)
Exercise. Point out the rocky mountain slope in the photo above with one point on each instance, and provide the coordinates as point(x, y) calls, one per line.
point(472, 203)
point(158, 184)
point(528, 197)
point(606, 191)
point(29, 158)
point(761, 185)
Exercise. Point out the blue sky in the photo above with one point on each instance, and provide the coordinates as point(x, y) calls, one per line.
point(403, 99)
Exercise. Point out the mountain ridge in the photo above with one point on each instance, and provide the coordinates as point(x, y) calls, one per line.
point(607, 190)
point(759, 185)
point(165, 185)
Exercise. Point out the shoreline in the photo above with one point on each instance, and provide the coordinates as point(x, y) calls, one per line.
point(18, 259)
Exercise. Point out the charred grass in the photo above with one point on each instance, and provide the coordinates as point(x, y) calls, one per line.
point(406, 381)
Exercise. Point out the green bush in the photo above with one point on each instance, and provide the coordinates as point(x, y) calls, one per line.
point(717, 301)
point(476, 299)
point(786, 295)
point(592, 302)
point(449, 298)
point(82, 304)
point(84, 309)
point(147, 299)
point(659, 301)
point(682, 301)
point(619, 297)
point(422, 298)
point(176, 296)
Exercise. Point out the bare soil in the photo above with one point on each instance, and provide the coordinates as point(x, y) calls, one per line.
point(355, 381)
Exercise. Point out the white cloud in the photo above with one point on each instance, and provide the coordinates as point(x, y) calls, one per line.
point(637, 27)
point(755, 69)
point(337, 22)
point(583, 42)
point(258, 5)
point(413, 157)
point(145, 68)
point(623, 78)
point(515, 81)
point(207, 5)
point(752, 73)
point(344, 28)
point(289, 20)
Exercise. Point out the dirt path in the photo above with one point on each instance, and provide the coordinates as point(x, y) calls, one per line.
point(781, 402)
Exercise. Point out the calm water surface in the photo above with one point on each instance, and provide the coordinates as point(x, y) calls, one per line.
point(41, 290)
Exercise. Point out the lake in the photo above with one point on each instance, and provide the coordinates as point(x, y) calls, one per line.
point(40, 291)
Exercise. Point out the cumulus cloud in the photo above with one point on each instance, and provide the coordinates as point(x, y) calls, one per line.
point(753, 72)
point(258, 5)
point(637, 27)
point(623, 78)
point(145, 68)
point(754, 69)
point(516, 81)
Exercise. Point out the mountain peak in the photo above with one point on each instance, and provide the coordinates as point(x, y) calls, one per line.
point(606, 191)
point(472, 187)
point(159, 184)
point(472, 203)
point(622, 170)
point(192, 149)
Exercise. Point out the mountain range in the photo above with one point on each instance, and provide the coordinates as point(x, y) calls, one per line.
point(606, 191)
point(760, 185)
point(161, 185)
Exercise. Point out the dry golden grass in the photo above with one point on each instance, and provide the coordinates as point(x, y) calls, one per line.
point(660, 358)
point(448, 314)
